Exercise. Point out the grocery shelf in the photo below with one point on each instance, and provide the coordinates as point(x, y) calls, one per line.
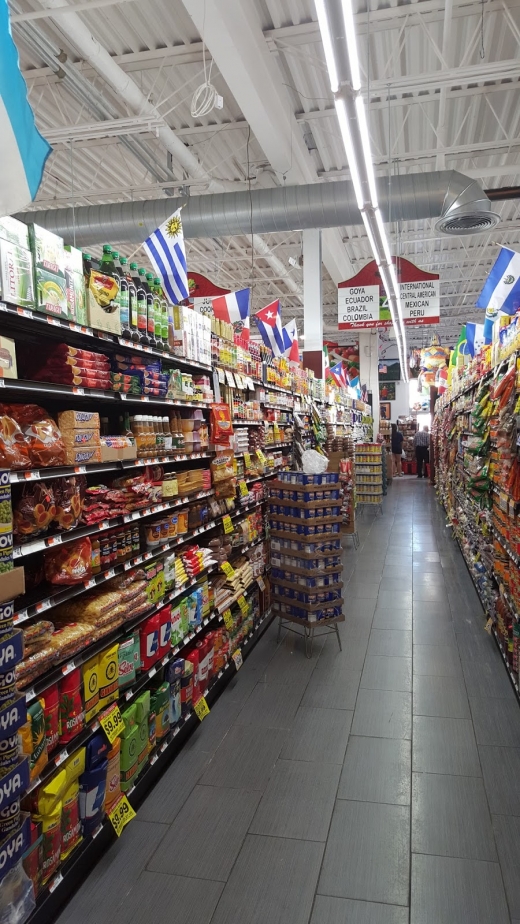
point(73, 392)
point(59, 471)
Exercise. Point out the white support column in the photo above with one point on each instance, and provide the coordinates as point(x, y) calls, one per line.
point(369, 370)
point(312, 301)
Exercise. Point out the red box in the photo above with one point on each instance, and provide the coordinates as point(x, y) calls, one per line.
point(413, 468)
point(150, 636)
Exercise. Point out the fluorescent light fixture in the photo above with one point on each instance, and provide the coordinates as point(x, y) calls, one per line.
point(368, 228)
point(326, 38)
point(350, 33)
point(384, 239)
point(365, 141)
point(341, 111)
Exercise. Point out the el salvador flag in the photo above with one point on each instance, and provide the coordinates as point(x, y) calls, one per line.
point(165, 247)
point(23, 152)
point(501, 291)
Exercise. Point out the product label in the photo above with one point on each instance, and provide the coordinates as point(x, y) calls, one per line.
point(228, 619)
point(247, 461)
point(227, 523)
point(227, 569)
point(121, 814)
point(242, 602)
point(237, 658)
point(201, 708)
point(112, 723)
point(244, 490)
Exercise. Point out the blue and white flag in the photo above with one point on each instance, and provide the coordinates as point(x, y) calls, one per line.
point(165, 247)
point(501, 290)
point(474, 339)
point(233, 308)
point(24, 151)
point(289, 334)
point(269, 323)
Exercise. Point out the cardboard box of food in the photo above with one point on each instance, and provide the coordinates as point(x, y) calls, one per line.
point(14, 231)
point(48, 250)
point(110, 454)
point(16, 274)
point(83, 456)
point(73, 259)
point(100, 318)
point(12, 584)
point(7, 359)
point(50, 292)
point(76, 297)
point(80, 438)
point(78, 420)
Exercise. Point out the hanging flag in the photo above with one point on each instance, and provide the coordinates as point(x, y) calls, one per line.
point(269, 323)
point(165, 247)
point(501, 290)
point(24, 151)
point(459, 348)
point(234, 309)
point(474, 338)
point(338, 374)
point(289, 334)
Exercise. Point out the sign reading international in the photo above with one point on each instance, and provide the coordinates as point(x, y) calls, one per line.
point(362, 302)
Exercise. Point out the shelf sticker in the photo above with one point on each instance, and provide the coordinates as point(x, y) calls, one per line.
point(120, 815)
point(201, 708)
point(228, 619)
point(243, 488)
point(261, 583)
point(112, 723)
point(247, 461)
point(242, 602)
point(489, 625)
point(261, 457)
point(227, 523)
point(237, 658)
point(227, 569)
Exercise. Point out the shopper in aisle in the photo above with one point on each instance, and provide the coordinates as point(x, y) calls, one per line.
point(421, 443)
point(397, 450)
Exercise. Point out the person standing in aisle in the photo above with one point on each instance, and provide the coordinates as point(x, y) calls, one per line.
point(421, 442)
point(397, 450)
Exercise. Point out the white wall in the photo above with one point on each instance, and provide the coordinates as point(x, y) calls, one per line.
point(401, 405)
point(368, 369)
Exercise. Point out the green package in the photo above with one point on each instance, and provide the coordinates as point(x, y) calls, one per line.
point(16, 275)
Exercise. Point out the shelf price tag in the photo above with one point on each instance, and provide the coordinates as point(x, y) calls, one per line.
point(488, 625)
point(227, 523)
point(261, 457)
point(120, 815)
point(244, 490)
point(228, 619)
point(237, 658)
point(247, 461)
point(201, 708)
point(227, 569)
point(112, 723)
point(261, 583)
point(242, 602)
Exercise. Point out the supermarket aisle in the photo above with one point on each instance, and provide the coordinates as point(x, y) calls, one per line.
point(326, 791)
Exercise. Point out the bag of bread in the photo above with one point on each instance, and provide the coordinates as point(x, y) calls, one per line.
point(35, 510)
point(14, 452)
point(70, 563)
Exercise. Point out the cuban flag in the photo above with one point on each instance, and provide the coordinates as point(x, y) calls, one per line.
point(290, 339)
point(234, 309)
point(338, 374)
point(24, 151)
point(165, 247)
point(269, 323)
point(501, 290)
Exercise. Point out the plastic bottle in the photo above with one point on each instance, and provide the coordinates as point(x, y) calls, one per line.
point(107, 262)
point(150, 316)
point(167, 435)
point(132, 299)
point(124, 298)
point(141, 303)
point(156, 311)
point(164, 315)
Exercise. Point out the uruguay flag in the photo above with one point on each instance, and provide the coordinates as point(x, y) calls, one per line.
point(501, 291)
point(24, 151)
point(234, 309)
point(269, 323)
point(165, 247)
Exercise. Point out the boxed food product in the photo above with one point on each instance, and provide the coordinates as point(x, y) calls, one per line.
point(16, 274)
point(14, 231)
point(102, 303)
point(80, 438)
point(49, 271)
point(8, 368)
point(76, 298)
point(84, 456)
point(73, 259)
point(77, 420)
point(50, 293)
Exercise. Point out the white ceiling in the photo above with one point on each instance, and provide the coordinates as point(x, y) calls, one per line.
point(441, 95)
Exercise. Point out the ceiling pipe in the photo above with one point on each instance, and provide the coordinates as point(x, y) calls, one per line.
point(503, 193)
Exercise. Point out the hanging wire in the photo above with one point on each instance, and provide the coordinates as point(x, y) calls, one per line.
point(72, 195)
point(482, 49)
point(250, 214)
point(205, 96)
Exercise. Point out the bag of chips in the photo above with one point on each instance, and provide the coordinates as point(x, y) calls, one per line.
point(221, 426)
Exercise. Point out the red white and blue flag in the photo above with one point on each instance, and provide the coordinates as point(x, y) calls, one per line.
point(269, 323)
point(290, 339)
point(234, 309)
point(338, 374)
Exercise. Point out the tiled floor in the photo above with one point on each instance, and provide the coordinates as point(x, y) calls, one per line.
point(379, 785)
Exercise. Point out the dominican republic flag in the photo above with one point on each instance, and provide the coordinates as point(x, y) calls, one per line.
point(501, 291)
point(234, 309)
point(165, 247)
point(24, 151)
point(338, 374)
point(269, 323)
point(290, 339)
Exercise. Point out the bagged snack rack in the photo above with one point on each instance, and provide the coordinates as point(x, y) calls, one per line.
point(369, 475)
point(305, 521)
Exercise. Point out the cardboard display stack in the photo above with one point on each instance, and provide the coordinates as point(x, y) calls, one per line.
point(305, 522)
point(369, 474)
point(343, 463)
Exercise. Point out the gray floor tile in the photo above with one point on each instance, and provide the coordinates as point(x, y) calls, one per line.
point(336, 689)
point(245, 758)
point(298, 801)
point(392, 619)
point(496, 721)
point(432, 612)
point(290, 664)
point(450, 817)
point(97, 901)
point(351, 658)
point(170, 793)
point(154, 895)
point(390, 643)
point(208, 735)
point(440, 696)
point(387, 673)
point(273, 880)
point(360, 589)
point(367, 855)
point(272, 705)
point(376, 770)
point(318, 734)
point(356, 627)
point(486, 678)
point(433, 633)
point(382, 714)
point(507, 836)
point(208, 833)
point(501, 772)
point(443, 745)
point(329, 910)
point(454, 891)
point(436, 661)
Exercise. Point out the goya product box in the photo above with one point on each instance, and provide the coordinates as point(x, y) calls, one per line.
point(16, 274)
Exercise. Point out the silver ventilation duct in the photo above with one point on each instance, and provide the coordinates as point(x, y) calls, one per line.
point(459, 203)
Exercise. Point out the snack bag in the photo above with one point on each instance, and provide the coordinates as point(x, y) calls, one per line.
point(69, 564)
point(69, 494)
point(221, 426)
point(72, 711)
point(35, 510)
point(14, 452)
point(41, 434)
point(105, 290)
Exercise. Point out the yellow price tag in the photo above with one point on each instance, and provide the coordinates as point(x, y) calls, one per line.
point(260, 582)
point(247, 461)
point(201, 708)
point(243, 488)
point(228, 619)
point(242, 602)
point(227, 523)
point(261, 456)
point(237, 658)
point(112, 723)
point(121, 814)
point(227, 569)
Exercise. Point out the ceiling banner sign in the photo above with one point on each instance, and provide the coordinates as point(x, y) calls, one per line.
point(358, 306)
point(421, 302)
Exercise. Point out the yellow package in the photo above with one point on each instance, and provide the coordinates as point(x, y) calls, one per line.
point(108, 676)
point(91, 687)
